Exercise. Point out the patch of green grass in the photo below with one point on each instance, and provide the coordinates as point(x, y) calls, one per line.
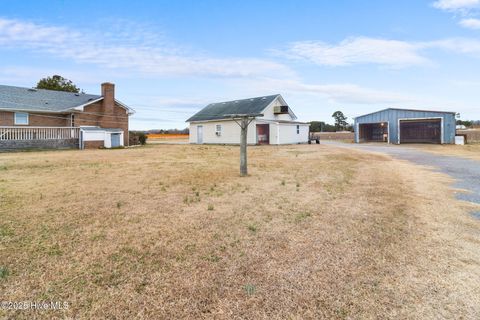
point(210, 207)
point(6, 231)
point(97, 237)
point(54, 250)
point(252, 227)
point(3, 167)
point(249, 289)
point(211, 258)
point(302, 216)
point(283, 182)
point(3, 272)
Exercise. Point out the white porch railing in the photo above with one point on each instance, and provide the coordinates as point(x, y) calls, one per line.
point(39, 133)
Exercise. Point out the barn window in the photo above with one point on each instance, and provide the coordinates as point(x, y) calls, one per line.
point(21, 118)
point(218, 129)
point(298, 129)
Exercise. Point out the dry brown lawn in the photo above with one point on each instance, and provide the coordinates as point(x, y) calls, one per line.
point(171, 231)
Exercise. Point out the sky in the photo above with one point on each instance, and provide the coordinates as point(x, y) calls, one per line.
point(169, 59)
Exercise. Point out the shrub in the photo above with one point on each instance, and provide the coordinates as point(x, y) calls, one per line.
point(137, 137)
point(142, 138)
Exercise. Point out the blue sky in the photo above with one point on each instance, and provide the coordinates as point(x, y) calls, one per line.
point(168, 59)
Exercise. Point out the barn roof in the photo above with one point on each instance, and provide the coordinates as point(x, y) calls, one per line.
point(401, 109)
point(41, 100)
point(217, 111)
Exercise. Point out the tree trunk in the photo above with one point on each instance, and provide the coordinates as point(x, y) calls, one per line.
point(243, 148)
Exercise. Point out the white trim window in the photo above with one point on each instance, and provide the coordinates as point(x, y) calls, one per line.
point(20, 118)
point(218, 130)
point(298, 129)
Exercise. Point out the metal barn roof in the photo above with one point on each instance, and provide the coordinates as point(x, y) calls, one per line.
point(217, 111)
point(401, 109)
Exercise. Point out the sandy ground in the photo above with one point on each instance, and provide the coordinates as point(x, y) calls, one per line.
point(171, 231)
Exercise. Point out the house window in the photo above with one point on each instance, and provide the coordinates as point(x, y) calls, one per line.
point(298, 129)
point(21, 118)
point(218, 129)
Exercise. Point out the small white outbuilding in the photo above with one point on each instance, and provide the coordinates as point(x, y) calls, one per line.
point(96, 137)
point(278, 124)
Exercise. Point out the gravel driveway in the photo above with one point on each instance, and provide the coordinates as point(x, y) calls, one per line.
point(466, 172)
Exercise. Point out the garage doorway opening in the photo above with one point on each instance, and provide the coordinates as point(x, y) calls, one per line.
point(263, 133)
point(421, 131)
point(373, 132)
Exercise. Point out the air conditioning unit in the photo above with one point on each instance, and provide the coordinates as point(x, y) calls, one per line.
point(218, 133)
point(280, 109)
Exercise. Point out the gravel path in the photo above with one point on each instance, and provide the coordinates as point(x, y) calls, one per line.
point(465, 171)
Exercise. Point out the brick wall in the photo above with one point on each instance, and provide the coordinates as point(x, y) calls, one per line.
point(93, 144)
point(94, 115)
point(37, 119)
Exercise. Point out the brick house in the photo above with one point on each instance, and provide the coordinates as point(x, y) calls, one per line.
point(38, 118)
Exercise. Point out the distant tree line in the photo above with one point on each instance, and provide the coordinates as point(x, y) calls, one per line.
point(341, 124)
point(469, 123)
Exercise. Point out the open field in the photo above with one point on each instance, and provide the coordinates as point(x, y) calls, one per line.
point(339, 136)
point(154, 138)
point(171, 231)
point(473, 135)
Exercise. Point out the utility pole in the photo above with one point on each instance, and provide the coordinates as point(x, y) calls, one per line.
point(243, 120)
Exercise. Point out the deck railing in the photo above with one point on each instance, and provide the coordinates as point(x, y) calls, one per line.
point(39, 133)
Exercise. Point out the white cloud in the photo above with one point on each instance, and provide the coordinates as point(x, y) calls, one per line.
point(456, 45)
point(144, 54)
point(464, 8)
point(360, 50)
point(456, 5)
point(470, 23)
point(337, 93)
point(390, 53)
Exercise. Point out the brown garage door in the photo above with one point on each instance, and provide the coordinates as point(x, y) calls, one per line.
point(421, 131)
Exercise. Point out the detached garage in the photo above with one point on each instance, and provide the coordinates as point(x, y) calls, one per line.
point(406, 126)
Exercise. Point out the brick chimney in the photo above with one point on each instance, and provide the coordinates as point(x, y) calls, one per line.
point(108, 93)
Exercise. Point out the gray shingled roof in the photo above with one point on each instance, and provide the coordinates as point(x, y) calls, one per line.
point(216, 111)
point(26, 99)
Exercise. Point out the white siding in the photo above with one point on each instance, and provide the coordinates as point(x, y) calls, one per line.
point(269, 115)
point(94, 135)
point(100, 135)
point(280, 132)
point(288, 133)
point(230, 132)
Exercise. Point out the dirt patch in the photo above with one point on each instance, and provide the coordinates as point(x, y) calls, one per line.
point(172, 232)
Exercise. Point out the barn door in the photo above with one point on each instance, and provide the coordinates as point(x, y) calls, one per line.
point(263, 133)
point(421, 131)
